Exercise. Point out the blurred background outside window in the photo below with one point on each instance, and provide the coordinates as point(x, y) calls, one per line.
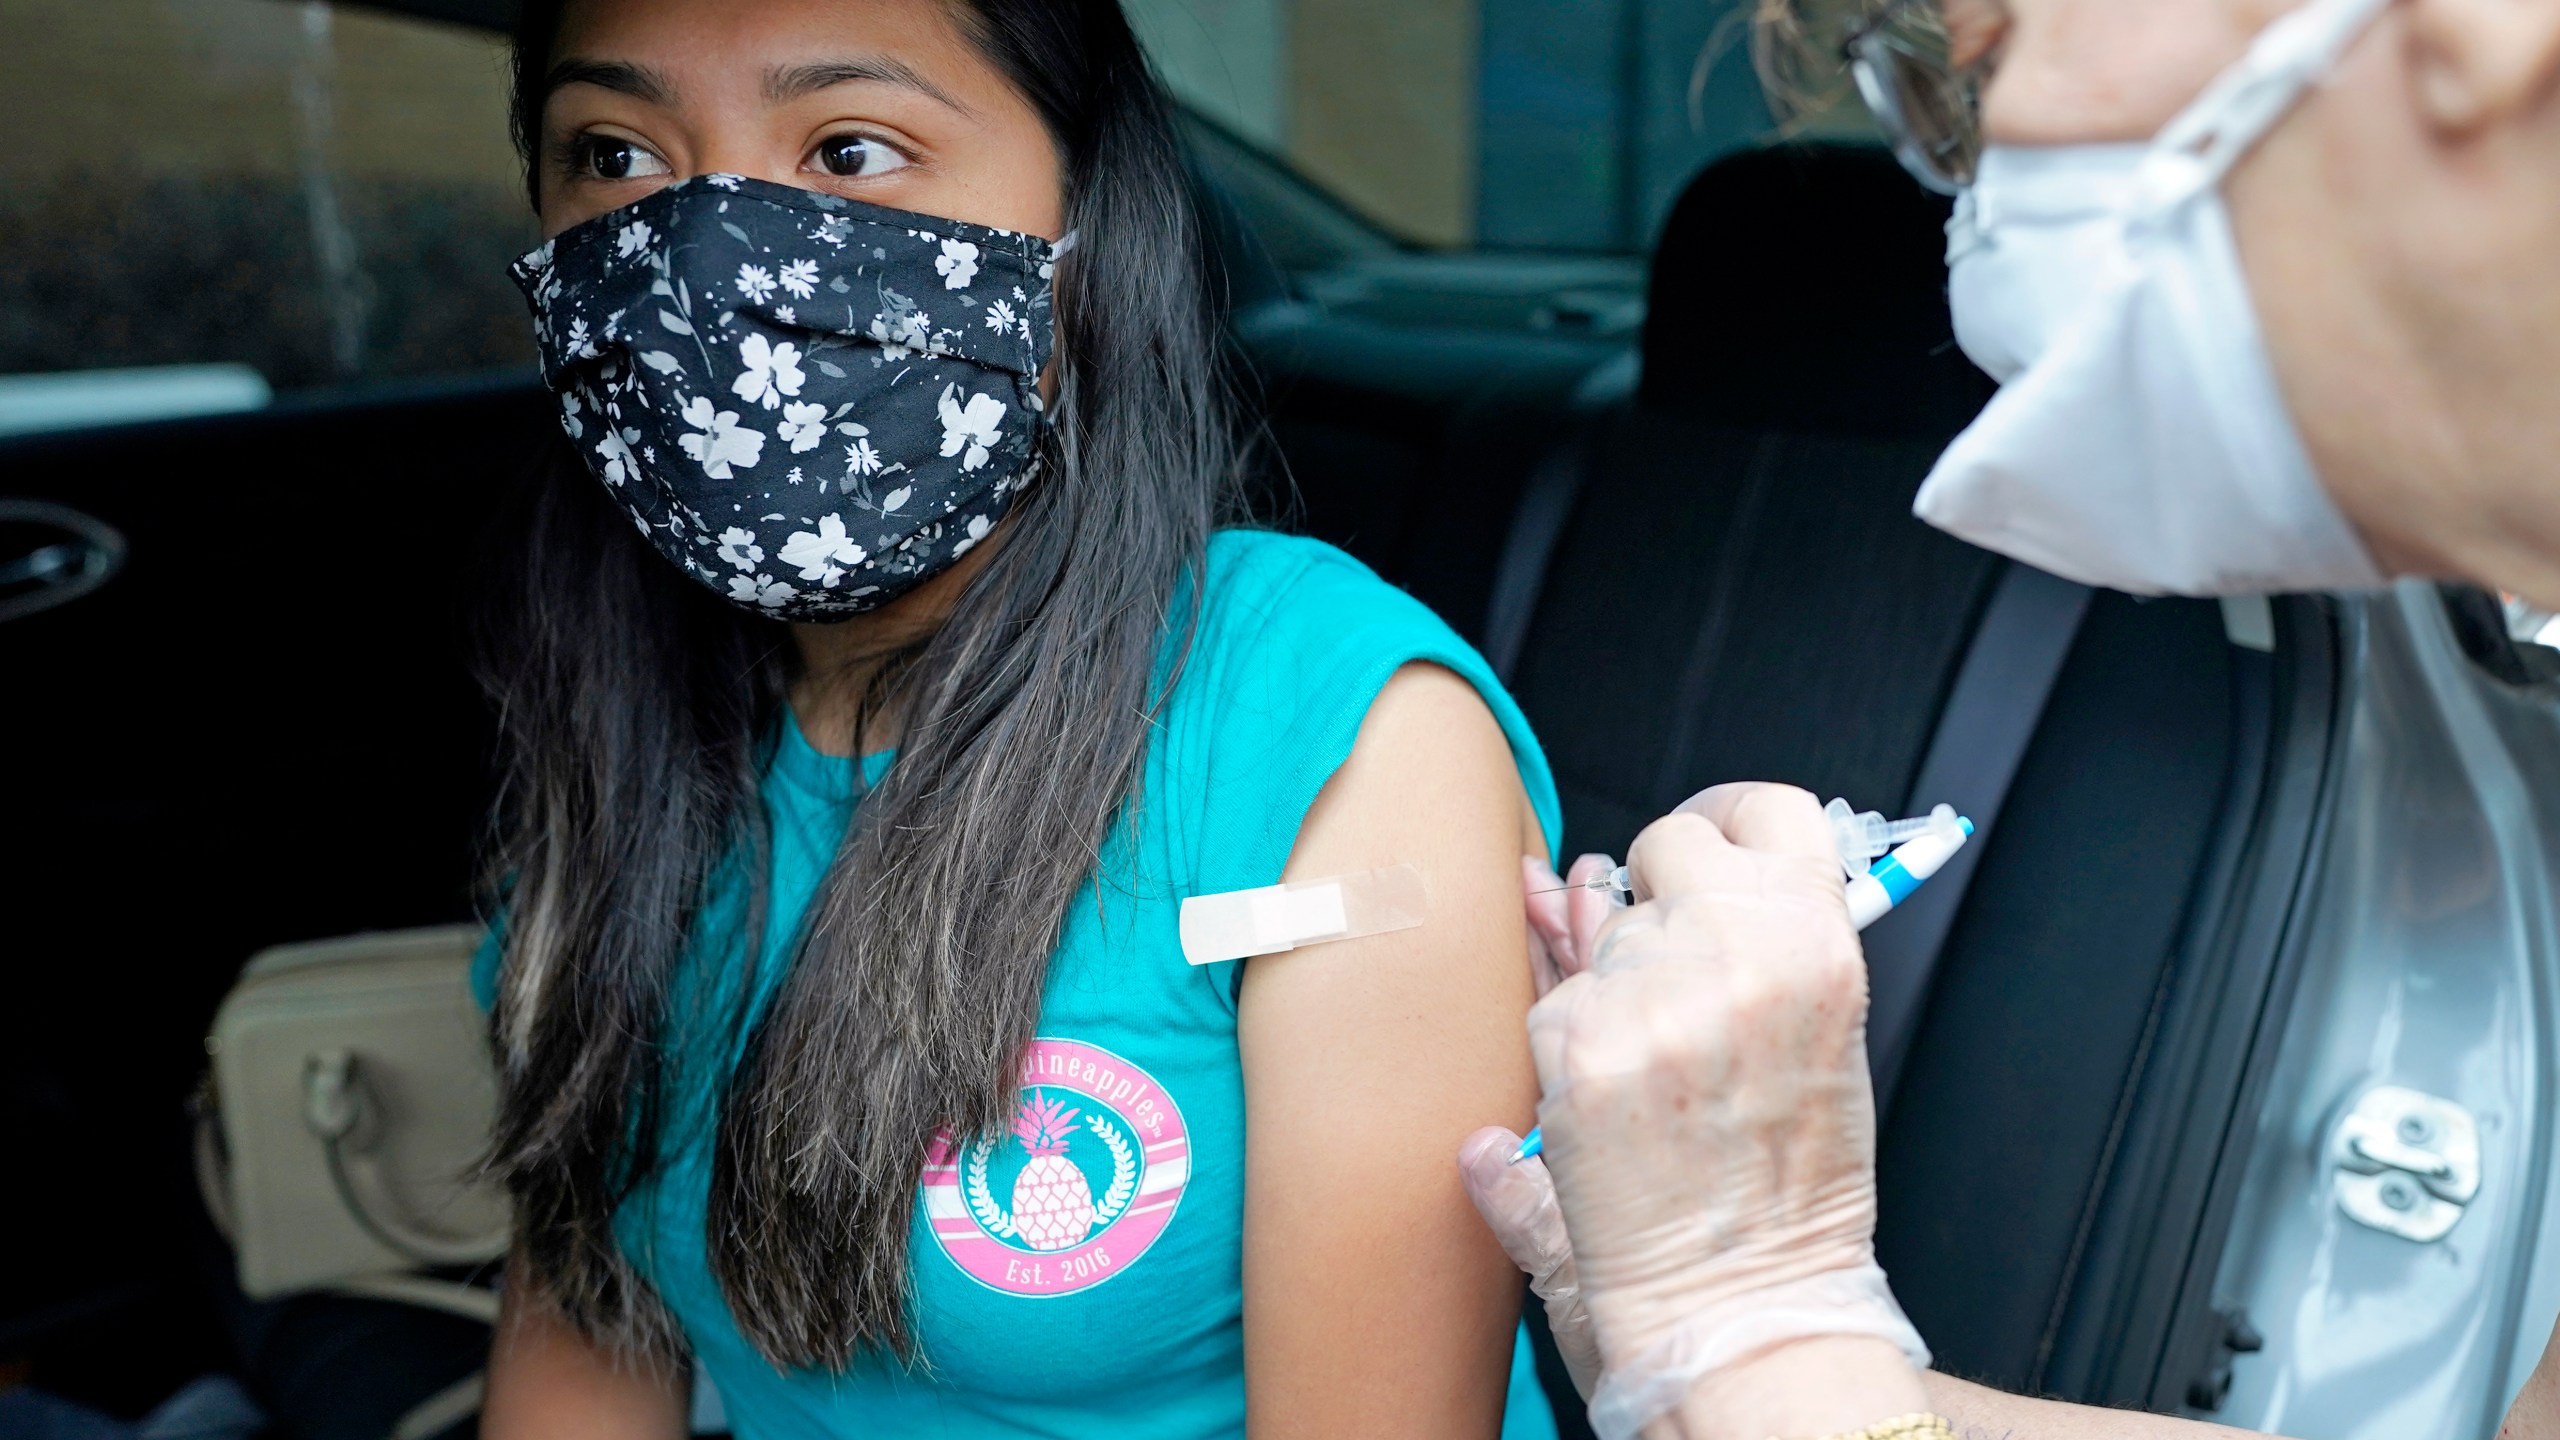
point(279, 195)
point(1489, 124)
point(207, 202)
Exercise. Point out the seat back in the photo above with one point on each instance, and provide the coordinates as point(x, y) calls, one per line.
point(1739, 590)
point(1739, 587)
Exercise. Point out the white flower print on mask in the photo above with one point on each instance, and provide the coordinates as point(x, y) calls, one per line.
point(761, 590)
point(772, 372)
point(893, 348)
point(723, 441)
point(751, 321)
point(613, 453)
point(739, 548)
point(975, 428)
point(825, 556)
point(803, 427)
point(957, 264)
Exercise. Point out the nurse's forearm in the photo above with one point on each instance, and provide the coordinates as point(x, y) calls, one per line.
point(1828, 1386)
point(1840, 1386)
point(1980, 1413)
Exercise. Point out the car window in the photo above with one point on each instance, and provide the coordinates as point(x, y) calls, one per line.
point(1493, 124)
point(206, 201)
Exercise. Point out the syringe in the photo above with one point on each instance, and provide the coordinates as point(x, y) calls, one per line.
point(1864, 835)
point(1861, 838)
point(1872, 895)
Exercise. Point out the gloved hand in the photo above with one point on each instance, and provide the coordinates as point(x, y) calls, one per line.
point(1564, 922)
point(1518, 1202)
point(1708, 1118)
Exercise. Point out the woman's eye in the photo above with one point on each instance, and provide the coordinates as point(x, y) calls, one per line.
point(608, 157)
point(856, 157)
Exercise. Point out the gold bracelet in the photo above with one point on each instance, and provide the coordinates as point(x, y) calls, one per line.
point(1901, 1427)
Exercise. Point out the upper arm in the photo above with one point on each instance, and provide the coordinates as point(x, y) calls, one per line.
point(549, 1382)
point(1375, 1301)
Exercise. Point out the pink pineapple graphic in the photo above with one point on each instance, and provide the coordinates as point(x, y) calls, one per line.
point(1052, 1203)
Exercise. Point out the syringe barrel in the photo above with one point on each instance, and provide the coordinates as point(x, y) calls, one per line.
point(1892, 879)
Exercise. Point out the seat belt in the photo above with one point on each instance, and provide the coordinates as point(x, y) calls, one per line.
point(1537, 527)
point(1991, 714)
point(1545, 505)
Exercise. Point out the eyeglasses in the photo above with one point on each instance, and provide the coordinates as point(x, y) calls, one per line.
point(1929, 109)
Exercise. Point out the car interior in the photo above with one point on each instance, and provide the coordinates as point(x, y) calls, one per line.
point(1670, 498)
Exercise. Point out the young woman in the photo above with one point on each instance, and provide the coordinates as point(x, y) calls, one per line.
point(876, 689)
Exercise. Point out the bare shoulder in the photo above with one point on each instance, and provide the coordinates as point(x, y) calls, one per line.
point(1431, 784)
point(1431, 779)
point(1375, 1300)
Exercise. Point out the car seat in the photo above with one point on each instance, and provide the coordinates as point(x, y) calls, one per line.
point(1723, 580)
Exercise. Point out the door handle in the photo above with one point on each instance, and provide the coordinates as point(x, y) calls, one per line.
point(73, 554)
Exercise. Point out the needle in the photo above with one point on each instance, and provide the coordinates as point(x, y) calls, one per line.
point(1614, 882)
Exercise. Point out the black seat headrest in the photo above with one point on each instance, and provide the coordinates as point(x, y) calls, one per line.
point(1803, 287)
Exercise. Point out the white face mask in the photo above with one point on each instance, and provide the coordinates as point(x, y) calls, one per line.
point(2139, 440)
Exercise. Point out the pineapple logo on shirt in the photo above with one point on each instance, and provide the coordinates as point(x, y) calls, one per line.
point(1086, 1179)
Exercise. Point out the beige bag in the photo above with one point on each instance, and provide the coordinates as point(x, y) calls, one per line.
point(350, 1095)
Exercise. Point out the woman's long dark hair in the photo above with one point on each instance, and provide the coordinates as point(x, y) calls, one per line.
point(636, 713)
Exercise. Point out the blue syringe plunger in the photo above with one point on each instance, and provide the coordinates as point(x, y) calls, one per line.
point(1862, 836)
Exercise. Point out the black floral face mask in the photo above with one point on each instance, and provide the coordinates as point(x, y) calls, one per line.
point(810, 405)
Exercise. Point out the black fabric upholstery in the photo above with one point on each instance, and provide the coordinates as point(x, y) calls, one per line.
point(1803, 288)
point(2004, 1124)
point(1742, 592)
point(1741, 589)
point(1725, 604)
point(1409, 449)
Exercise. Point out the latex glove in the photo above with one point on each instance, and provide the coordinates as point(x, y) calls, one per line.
point(1518, 1203)
point(1709, 1124)
point(1564, 923)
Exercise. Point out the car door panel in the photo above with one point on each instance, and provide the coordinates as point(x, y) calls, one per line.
point(264, 729)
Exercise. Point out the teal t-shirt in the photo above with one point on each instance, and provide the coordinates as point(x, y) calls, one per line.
point(1081, 1276)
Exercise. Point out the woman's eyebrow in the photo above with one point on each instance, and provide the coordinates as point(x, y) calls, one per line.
point(783, 84)
point(637, 81)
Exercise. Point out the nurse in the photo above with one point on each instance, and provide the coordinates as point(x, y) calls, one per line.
point(2273, 289)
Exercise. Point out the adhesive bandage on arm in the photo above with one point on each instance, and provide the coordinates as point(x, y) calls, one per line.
point(1240, 924)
